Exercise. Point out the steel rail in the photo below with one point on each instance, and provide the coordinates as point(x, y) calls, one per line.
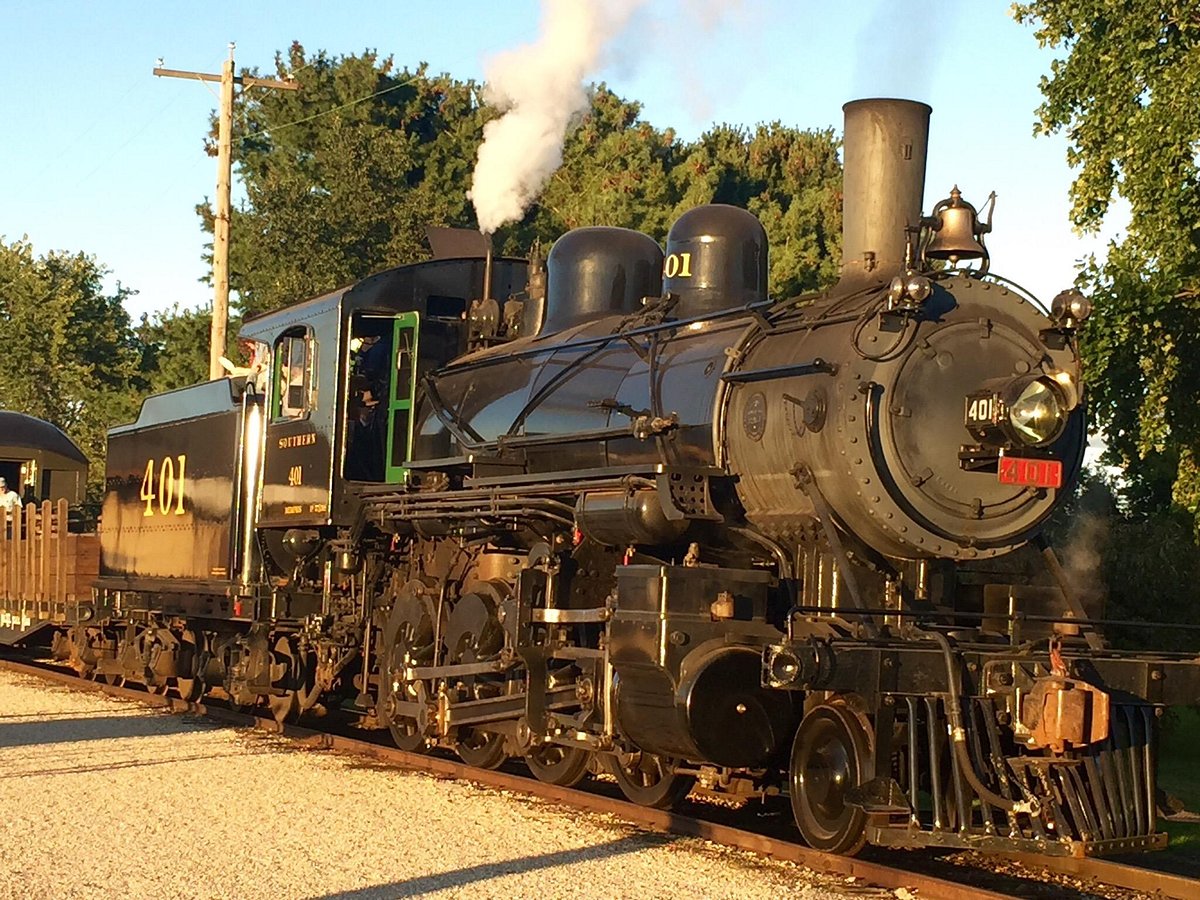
point(1114, 874)
point(1107, 871)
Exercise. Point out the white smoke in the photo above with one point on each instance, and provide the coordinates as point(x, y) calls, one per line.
point(1082, 557)
point(540, 88)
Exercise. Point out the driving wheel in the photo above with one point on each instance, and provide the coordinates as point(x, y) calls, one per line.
point(482, 749)
point(189, 680)
point(284, 706)
point(408, 640)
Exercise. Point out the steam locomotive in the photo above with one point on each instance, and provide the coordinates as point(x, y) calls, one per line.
point(639, 517)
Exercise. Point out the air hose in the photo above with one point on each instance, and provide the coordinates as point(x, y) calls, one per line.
point(958, 736)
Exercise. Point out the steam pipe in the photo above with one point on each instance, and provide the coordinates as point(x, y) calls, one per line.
point(487, 270)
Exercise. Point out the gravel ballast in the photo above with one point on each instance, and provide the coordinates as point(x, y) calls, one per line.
point(103, 797)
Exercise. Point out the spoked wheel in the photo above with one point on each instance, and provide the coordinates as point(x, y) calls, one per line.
point(285, 706)
point(407, 640)
point(556, 764)
point(481, 749)
point(650, 780)
point(190, 685)
point(147, 646)
point(307, 691)
point(830, 755)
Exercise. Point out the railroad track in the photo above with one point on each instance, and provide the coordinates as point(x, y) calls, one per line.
point(961, 881)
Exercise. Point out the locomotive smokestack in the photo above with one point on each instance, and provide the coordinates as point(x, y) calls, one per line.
point(883, 184)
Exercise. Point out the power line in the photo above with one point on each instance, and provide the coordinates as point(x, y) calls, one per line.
point(104, 115)
point(346, 105)
point(106, 159)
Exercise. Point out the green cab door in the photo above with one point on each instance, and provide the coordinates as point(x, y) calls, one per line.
point(405, 333)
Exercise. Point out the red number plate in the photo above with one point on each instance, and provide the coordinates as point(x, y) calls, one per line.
point(1043, 473)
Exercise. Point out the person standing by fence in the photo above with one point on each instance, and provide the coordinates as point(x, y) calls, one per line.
point(10, 505)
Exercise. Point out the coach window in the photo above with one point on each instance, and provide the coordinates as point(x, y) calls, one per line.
point(294, 353)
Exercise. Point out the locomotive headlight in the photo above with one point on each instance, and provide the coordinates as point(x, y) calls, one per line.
point(1030, 411)
point(1038, 413)
point(918, 287)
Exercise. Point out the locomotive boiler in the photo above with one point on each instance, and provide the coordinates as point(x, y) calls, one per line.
point(636, 515)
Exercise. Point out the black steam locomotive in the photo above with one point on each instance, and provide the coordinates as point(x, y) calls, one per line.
point(640, 517)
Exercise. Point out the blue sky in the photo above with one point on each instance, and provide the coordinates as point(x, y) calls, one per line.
point(102, 157)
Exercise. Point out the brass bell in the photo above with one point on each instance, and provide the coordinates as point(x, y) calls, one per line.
point(957, 233)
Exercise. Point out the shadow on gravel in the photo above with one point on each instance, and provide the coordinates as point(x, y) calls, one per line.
point(96, 728)
point(416, 887)
point(112, 765)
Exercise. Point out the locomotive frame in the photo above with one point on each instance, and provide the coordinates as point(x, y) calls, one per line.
point(644, 518)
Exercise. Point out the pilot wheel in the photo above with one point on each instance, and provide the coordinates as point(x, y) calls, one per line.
point(830, 756)
point(650, 780)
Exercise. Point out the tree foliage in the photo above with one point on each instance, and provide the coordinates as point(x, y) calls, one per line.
point(174, 345)
point(616, 171)
point(70, 355)
point(1124, 92)
point(1112, 550)
point(790, 179)
point(342, 176)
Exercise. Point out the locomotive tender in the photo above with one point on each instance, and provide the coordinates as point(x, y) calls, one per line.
point(643, 518)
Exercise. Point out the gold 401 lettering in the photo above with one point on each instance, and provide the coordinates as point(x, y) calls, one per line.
point(678, 265)
point(165, 484)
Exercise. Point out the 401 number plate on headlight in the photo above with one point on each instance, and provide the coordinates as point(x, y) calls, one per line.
point(1042, 473)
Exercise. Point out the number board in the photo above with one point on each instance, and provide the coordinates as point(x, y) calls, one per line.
point(1042, 473)
point(983, 409)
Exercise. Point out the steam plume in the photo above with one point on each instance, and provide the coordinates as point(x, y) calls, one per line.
point(1081, 558)
point(539, 87)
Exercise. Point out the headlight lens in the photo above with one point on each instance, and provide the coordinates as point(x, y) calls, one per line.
point(1038, 414)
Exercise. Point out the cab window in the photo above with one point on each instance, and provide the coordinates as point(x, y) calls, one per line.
point(294, 353)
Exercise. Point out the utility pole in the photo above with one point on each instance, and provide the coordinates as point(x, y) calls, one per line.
point(220, 314)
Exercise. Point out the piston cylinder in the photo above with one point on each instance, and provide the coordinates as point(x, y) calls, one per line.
point(689, 684)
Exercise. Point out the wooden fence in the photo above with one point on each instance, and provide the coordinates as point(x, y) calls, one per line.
point(43, 566)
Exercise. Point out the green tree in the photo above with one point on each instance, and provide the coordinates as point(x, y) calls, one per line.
point(174, 345)
point(789, 178)
point(1112, 550)
point(71, 357)
point(615, 172)
point(342, 176)
point(1124, 92)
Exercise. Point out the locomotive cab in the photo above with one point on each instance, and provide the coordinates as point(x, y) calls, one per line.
point(345, 374)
